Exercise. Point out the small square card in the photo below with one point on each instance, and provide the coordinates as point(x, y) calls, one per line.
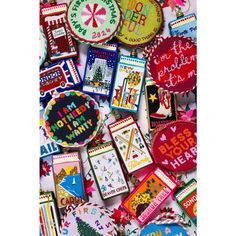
point(130, 144)
point(187, 199)
point(68, 178)
point(146, 199)
point(100, 68)
point(128, 84)
point(161, 107)
point(107, 171)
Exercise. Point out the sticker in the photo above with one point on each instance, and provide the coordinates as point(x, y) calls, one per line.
point(58, 77)
point(173, 64)
point(100, 69)
point(174, 147)
point(128, 84)
point(158, 229)
point(146, 199)
point(184, 26)
point(68, 179)
point(94, 21)
point(130, 144)
point(88, 219)
point(49, 223)
point(47, 146)
point(61, 44)
point(161, 107)
point(107, 171)
point(72, 119)
point(142, 21)
point(187, 199)
point(42, 47)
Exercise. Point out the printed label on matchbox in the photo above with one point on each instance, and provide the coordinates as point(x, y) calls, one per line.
point(142, 21)
point(58, 77)
point(145, 200)
point(173, 64)
point(72, 119)
point(68, 178)
point(130, 144)
point(60, 43)
point(100, 68)
point(158, 229)
point(187, 199)
point(161, 107)
point(107, 171)
point(88, 219)
point(94, 21)
point(175, 146)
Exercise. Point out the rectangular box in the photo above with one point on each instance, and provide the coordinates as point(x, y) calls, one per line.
point(68, 179)
point(48, 215)
point(107, 171)
point(128, 84)
point(60, 43)
point(130, 144)
point(187, 199)
point(100, 69)
point(146, 199)
point(184, 26)
point(161, 107)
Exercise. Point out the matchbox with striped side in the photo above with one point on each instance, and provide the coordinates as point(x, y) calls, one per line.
point(130, 144)
point(187, 199)
point(48, 215)
point(107, 171)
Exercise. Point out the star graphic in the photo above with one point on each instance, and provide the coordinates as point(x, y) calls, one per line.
point(152, 97)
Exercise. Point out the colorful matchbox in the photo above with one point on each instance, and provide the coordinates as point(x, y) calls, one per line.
point(130, 144)
point(107, 171)
point(149, 195)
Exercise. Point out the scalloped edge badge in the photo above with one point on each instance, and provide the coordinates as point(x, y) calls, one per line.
point(71, 118)
point(94, 21)
point(138, 18)
point(172, 64)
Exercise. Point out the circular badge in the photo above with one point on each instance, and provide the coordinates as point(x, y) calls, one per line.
point(72, 119)
point(88, 219)
point(142, 21)
point(94, 21)
point(157, 228)
point(172, 64)
point(42, 47)
point(174, 146)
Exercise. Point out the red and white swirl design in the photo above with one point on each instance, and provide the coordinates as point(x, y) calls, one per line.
point(93, 15)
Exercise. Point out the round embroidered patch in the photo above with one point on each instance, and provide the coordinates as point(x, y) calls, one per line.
point(88, 219)
point(173, 64)
point(174, 146)
point(94, 21)
point(142, 21)
point(72, 119)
